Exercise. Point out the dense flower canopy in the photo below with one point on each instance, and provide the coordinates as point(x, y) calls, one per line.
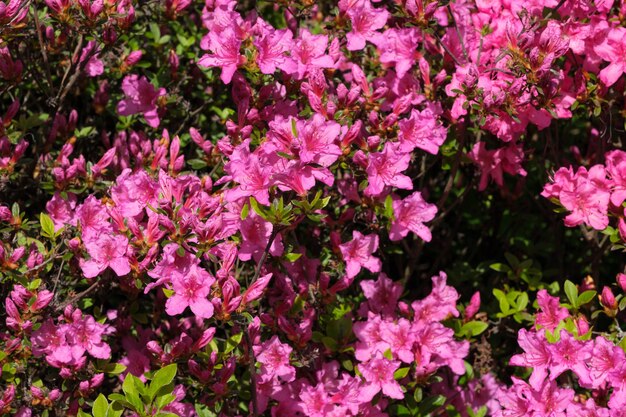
point(354, 208)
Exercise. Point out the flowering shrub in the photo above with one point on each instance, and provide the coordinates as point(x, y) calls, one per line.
point(222, 208)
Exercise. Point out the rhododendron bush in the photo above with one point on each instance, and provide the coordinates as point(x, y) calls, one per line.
point(299, 208)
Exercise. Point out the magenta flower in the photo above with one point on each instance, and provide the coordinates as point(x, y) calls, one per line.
point(421, 130)
point(613, 50)
point(357, 253)
point(378, 373)
point(191, 291)
point(616, 169)
point(551, 312)
point(570, 354)
point(274, 359)
point(410, 215)
point(366, 20)
point(225, 46)
point(536, 355)
point(399, 47)
point(133, 192)
point(585, 194)
point(272, 47)
point(385, 169)
point(106, 251)
point(141, 97)
point(316, 141)
point(308, 54)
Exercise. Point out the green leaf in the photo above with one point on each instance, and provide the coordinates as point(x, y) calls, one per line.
point(474, 328)
point(294, 130)
point(586, 297)
point(292, 257)
point(233, 342)
point(500, 267)
point(114, 368)
point(115, 409)
point(522, 301)
point(389, 207)
point(164, 399)
point(572, 293)
point(244, 211)
point(502, 300)
point(431, 404)
point(401, 373)
point(161, 378)
point(47, 225)
point(258, 209)
point(100, 406)
point(131, 392)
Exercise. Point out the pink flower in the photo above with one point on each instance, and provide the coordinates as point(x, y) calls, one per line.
point(62, 210)
point(551, 312)
point(410, 215)
point(87, 333)
point(255, 233)
point(366, 20)
point(191, 290)
point(274, 358)
point(133, 192)
point(616, 170)
point(252, 174)
point(439, 304)
point(399, 47)
point(316, 141)
point(401, 337)
point(536, 355)
point(315, 401)
point(272, 47)
point(382, 295)
point(308, 54)
point(357, 253)
point(385, 169)
point(225, 46)
point(378, 373)
point(141, 97)
point(94, 65)
point(421, 130)
point(585, 194)
point(571, 354)
point(106, 251)
point(613, 50)
point(605, 359)
point(494, 163)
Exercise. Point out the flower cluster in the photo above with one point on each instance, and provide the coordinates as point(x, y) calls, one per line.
point(222, 208)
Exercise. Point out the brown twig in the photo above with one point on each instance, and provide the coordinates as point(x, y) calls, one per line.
point(44, 54)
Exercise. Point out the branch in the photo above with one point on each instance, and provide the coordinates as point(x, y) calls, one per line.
point(252, 363)
point(42, 47)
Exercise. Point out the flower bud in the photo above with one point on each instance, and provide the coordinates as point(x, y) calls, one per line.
point(621, 280)
point(608, 301)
